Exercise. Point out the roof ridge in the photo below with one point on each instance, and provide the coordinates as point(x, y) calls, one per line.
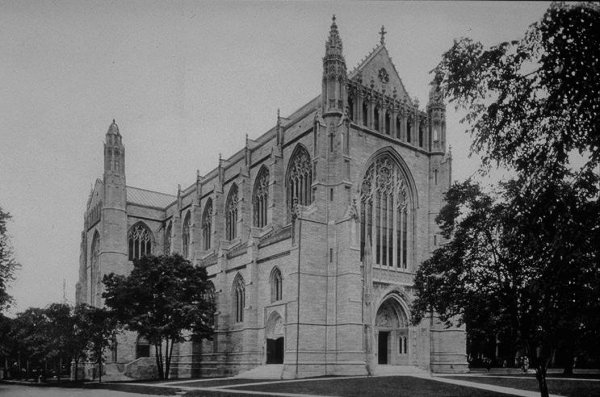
point(150, 191)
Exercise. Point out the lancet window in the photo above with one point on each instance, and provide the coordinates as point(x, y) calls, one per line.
point(260, 198)
point(231, 213)
point(409, 125)
point(140, 241)
point(376, 118)
point(168, 231)
point(385, 213)
point(299, 179)
point(239, 298)
point(276, 285)
point(185, 234)
point(207, 224)
point(95, 268)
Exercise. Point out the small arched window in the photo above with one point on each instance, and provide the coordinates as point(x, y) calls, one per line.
point(387, 123)
point(260, 198)
point(365, 113)
point(231, 213)
point(276, 285)
point(398, 128)
point(299, 179)
point(168, 231)
point(140, 241)
point(376, 118)
point(409, 124)
point(185, 234)
point(239, 298)
point(142, 347)
point(207, 224)
point(421, 134)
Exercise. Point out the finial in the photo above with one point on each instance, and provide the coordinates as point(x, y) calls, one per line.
point(197, 173)
point(246, 139)
point(382, 33)
point(114, 121)
point(333, 19)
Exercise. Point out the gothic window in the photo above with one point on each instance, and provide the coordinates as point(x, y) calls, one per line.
point(207, 224)
point(95, 268)
point(140, 241)
point(365, 113)
point(231, 213)
point(385, 213)
point(276, 285)
point(376, 118)
point(168, 238)
point(142, 347)
point(239, 298)
point(387, 123)
point(185, 234)
point(260, 197)
point(299, 179)
point(421, 134)
point(409, 124)
point(398, 128)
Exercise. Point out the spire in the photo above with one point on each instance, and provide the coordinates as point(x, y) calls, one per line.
point(382, 33)
point(334, 43)
point(113, 129)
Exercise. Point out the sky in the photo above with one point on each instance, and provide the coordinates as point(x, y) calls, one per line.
point(185, 81)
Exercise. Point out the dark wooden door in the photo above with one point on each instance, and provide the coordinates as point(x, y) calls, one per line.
point(383, 347)
point(275, 351)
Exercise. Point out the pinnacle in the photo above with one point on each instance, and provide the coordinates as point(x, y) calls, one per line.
point(113, 129)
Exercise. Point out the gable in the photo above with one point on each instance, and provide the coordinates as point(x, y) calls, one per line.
point(378, 67)
point(96, 194)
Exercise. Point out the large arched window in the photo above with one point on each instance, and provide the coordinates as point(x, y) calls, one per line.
point(385, 213)
point(239, 298)
point(276, 285)
point(231, 213)
point(260, 197)
point(95, 268)
point(207, 224)
point(299, 179)
point(140, 241)
point(168, 231)
point(185, 234)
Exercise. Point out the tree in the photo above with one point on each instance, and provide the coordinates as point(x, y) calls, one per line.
point(531, 103)
point(523, 263)
point(162, 298)
point(95, 330)
point(8, 265)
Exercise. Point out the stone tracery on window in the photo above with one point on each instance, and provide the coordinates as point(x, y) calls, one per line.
point(299, 179)
point(207, 224)
point(231, 213)
point(239, 297)
point(185, 234)
point(140, 241)
point(276, 285)
point(260, 198)
point(385, 213)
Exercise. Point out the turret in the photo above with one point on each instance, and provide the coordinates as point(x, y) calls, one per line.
point(334, 74)
point(437, 115)
point(114, 151)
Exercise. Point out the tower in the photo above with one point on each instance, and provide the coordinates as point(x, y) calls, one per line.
point(113, 247)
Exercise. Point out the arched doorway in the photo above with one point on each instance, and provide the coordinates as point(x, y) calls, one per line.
point(391, 333)
point(274, 333)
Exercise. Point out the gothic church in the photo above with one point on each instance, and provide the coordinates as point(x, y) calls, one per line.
point(311, 234)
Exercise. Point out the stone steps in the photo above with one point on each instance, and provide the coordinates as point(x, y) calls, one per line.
point(268, 371)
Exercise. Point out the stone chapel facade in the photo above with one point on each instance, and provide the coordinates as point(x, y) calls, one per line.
point(311, 234)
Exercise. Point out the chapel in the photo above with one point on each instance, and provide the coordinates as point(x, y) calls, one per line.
point(311, 234)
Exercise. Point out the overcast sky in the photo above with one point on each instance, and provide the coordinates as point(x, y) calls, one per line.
point(185, 80)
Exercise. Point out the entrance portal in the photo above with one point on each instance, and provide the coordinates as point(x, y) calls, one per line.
point(391, 323)
point(383, 347)
point(274, 333)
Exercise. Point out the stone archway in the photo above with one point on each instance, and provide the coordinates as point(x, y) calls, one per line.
point(391, 333)
point(275, 335)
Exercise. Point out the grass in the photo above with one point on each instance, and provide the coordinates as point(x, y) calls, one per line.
point(396, 386)
point(563, 387)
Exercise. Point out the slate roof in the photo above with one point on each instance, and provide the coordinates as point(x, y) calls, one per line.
point(148, 198)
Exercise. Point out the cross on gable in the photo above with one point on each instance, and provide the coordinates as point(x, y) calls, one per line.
point(382, 33)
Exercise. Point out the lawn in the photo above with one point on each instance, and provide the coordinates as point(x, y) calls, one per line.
point(563, 387)
point(396, 386)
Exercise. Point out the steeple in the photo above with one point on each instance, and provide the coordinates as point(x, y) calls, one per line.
point(114, 151)
point(333, 96)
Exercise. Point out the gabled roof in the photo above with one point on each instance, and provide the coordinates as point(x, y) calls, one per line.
point(149, 198)
point(372, 64)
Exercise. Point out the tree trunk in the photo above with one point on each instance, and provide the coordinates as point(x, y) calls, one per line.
point(100, 366)
point(169, 352)
point(158, 354)
point(540, 374)
point(569, 365)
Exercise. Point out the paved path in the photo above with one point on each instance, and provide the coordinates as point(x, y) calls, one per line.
point(33, 391)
